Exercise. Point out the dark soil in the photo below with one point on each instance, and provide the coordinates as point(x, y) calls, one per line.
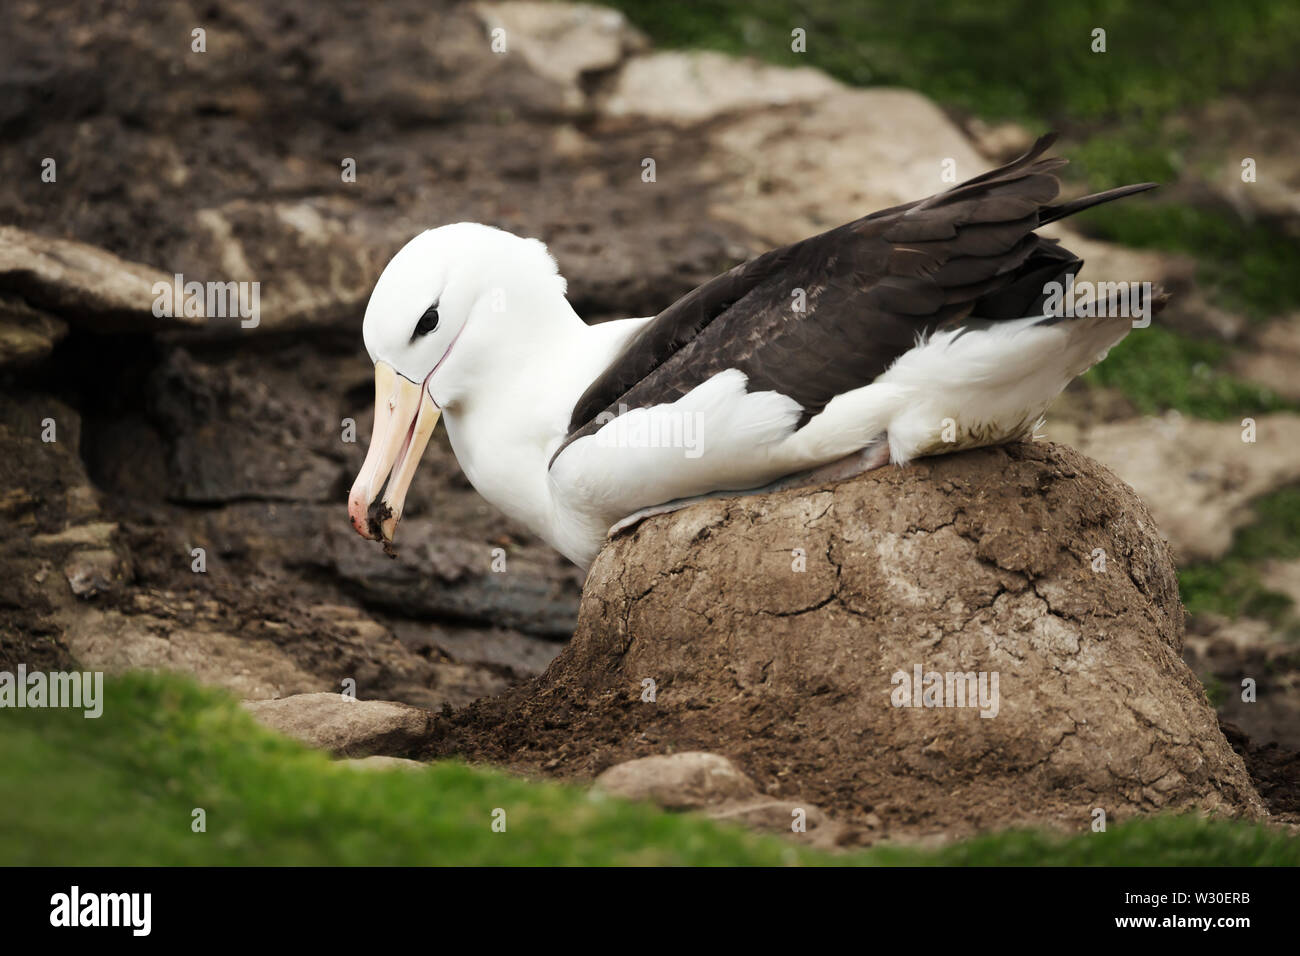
point(1274, 769)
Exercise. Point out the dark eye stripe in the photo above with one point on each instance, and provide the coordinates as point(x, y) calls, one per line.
point(428, 322)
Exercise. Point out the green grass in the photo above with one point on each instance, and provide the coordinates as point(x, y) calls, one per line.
point(120, 790)
point(1153, 841)
point(1231, 586)
point(1128, 152)
point(1019, 59)
point(1158, 369)
point(1253, 268)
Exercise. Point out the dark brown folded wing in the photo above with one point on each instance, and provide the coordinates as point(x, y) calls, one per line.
point(868, 289)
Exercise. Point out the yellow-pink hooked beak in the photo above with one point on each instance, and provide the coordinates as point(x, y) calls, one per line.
point(405, 416)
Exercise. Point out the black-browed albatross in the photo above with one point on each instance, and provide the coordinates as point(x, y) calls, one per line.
point(916, 330)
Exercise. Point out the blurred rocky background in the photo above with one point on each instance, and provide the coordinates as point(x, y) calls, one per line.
point(172, 435)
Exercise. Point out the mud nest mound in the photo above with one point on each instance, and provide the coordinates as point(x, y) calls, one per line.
point(788, 632)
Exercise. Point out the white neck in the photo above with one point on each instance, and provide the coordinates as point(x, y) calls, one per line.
point(519, 378)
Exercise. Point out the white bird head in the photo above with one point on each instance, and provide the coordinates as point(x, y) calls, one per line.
point(434, 316)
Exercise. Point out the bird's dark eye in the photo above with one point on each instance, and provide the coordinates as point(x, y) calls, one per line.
point(428, 322)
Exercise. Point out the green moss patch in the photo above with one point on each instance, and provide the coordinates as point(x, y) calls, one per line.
point(122, 789)
point(1231, 586)
point(1020, 59)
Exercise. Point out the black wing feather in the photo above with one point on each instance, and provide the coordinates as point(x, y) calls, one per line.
point(872, 287)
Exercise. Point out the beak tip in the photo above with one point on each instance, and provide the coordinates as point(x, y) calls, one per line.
point(384, 526)
point(383, 521)
point(357, 508)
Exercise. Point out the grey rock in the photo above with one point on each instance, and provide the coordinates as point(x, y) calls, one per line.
point(564, 42)
point(344, 726)
point(438, 575)
point(94, 572)
point(82, 284)
point(683, 781)
point(712, 784)
point(378, 762)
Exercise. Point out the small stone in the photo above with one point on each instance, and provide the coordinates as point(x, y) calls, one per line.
point(341, 725)
point(91, 573)
point(380, 762)
point(682, 781)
